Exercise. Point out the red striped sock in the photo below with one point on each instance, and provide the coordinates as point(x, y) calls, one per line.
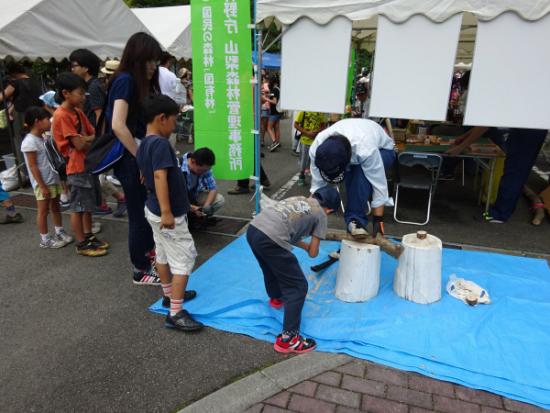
point(167, 289)
point(175, 306)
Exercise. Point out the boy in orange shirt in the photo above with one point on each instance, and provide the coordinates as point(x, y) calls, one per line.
point(73, 134)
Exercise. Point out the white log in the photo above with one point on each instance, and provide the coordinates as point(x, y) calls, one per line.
point(358, 276)
point(418, 274)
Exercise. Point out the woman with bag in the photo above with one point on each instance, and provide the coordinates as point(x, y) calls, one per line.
point(135, 79)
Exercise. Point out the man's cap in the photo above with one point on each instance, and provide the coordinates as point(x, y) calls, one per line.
point(110, 67)
point(182, 72)
point(332, 157)
point(328, 197)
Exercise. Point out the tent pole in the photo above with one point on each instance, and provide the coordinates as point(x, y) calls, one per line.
point(257, 108)
point(10, 126)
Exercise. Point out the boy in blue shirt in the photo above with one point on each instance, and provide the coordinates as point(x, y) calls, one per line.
point(166, 209)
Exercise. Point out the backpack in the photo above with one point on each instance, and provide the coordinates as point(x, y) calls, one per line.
point(55, 159)
point(107, 149)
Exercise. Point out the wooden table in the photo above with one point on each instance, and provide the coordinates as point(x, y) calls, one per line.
point(485, 154)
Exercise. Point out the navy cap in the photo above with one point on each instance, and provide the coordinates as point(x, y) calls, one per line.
point(332, 157)
point(328, 197)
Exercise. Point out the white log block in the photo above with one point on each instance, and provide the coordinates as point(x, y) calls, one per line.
point(418, 274)
point(358, 276)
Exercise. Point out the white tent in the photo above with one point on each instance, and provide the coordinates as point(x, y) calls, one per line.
point(53, 28)
point(171, 26)
point(435, 33)
point(323, 11)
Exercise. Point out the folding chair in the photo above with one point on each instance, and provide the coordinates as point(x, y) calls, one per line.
point(417, 171)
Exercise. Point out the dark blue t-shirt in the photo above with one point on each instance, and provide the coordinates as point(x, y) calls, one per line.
point(155, 153)
point(123, 87)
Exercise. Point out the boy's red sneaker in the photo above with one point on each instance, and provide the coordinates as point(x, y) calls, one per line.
point(276, 303)
point(294, 344)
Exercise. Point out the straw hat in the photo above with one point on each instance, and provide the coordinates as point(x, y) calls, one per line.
point(110, 67)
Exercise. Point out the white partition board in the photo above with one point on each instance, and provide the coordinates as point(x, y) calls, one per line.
point(413, 68)
point(510, 80)
point(314, 65)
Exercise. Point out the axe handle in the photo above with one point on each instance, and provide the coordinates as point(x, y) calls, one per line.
point(323, 265)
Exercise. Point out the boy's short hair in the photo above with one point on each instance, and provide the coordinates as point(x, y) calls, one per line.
point(86, 58)
point(203, 157)
point(67, 81)
point(165, 57)
point(155, 105)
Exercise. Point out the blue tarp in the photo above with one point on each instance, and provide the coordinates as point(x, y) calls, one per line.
point(503, 347)
point(269, 60)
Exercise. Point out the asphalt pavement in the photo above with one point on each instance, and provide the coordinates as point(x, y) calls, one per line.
point(75, 333)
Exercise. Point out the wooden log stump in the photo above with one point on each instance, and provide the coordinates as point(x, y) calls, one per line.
point(385, 244)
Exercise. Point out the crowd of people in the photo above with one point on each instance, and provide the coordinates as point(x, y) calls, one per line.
point(135, 108)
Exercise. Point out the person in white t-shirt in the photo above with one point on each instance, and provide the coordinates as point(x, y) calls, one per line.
point(44, 180)
point(168, 81)
point(356, 151)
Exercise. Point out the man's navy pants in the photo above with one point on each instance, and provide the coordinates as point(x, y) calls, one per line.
point(359, 189)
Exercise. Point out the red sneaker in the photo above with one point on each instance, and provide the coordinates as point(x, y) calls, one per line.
point(276, 303)
point(294, 344)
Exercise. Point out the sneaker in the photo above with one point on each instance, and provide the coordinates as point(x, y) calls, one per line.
point(102, 210)
point(296, 154)
point(294, 344)
point(187, 296)
point(17, 218)
point(96, 227)
point(486, 217)
point(273, 146)
point(302, 181)
point(238, 191)
point(88, 249)
point(120, 210)
point(276, 303)
point(182, 321)
point(357, 230)
point(52, 243)
point(104, 245)
point(64, 237)
point(150, 277)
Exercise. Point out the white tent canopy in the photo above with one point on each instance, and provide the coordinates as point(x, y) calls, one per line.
point(171, 26)
point(53, 28)
point(323, 11)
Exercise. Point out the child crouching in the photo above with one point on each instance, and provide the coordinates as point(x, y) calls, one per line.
point(45, 181)
point(166, 210)
point(271, 235)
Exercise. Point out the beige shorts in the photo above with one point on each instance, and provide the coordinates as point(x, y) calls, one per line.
point(55, 191)
point(174, 247)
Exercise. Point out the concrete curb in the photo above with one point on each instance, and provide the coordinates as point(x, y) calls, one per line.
point(239, 396)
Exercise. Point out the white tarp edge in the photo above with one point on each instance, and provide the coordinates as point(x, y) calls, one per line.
point(322, 11)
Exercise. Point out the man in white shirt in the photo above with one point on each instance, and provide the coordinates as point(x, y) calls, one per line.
point(168, 81)
point(356, 151)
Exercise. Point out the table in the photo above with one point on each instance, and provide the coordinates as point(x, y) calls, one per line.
point(485, 154)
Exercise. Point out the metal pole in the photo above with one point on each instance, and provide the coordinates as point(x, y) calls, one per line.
point(257, 108)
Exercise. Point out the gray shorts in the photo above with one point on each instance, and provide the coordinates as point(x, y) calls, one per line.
point(83, 192)
point(304, 157)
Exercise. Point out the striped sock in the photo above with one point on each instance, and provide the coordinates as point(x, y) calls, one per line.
point(167, 289)
point(175, 306)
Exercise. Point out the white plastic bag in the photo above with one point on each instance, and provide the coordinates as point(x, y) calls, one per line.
point(9, 179)
point(467, 291)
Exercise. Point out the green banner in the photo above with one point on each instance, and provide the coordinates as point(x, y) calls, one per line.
point(222, 89)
